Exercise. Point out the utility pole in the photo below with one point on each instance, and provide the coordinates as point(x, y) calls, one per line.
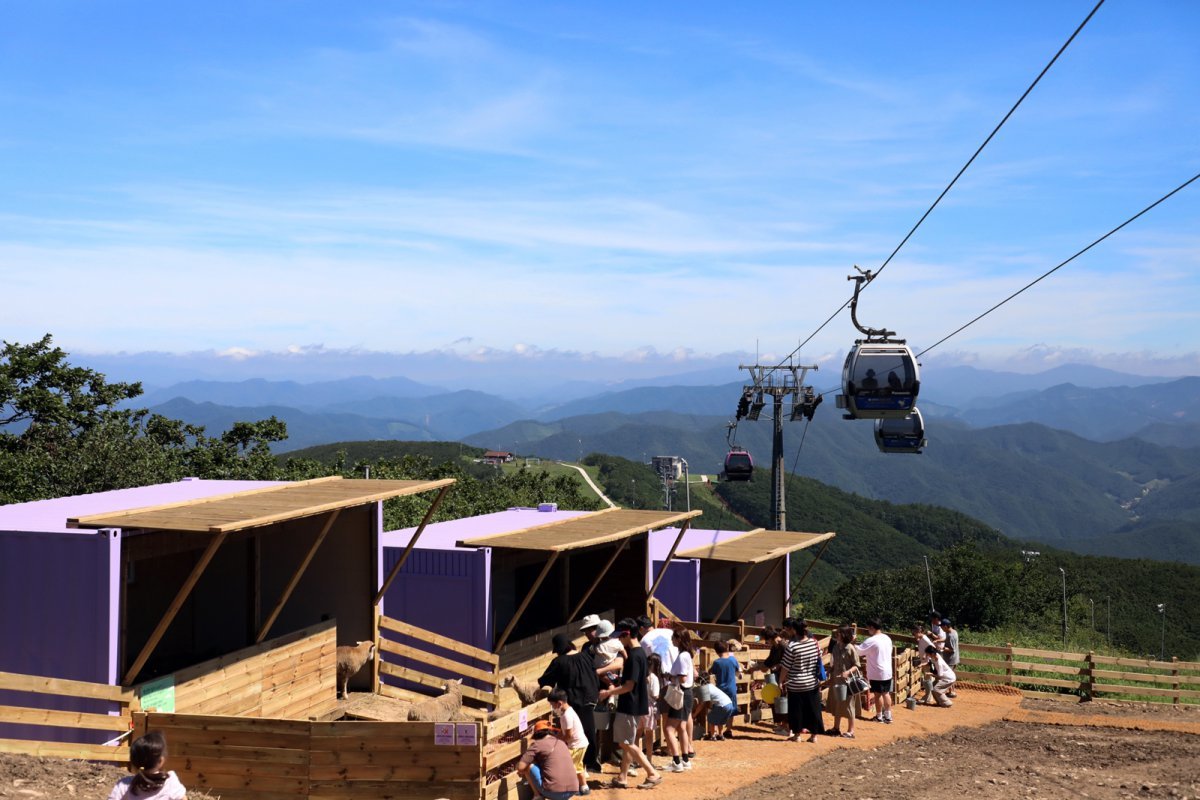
point(1064, 609)
point(779, 382)
point(929, 582)
point(1108, 618)
point(1162, 647)
point(1092, 603)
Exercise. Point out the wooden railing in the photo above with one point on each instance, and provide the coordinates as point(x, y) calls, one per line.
point(81, 693)
point(268, 759)
point(1059, 674)
point(433, 660)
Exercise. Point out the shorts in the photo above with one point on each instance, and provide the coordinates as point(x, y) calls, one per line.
point(625, 728)
point(881, 687)
point(650, 721)
point(720, 715)
point(577, 758)
point(684, 711)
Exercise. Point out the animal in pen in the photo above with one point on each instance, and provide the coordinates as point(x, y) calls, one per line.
point(350, 660)
point(528, 691)
point(439, 709)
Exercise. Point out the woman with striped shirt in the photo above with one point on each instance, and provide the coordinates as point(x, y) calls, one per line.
point(799, 676)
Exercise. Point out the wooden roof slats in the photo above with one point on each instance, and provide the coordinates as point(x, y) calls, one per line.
point(258, 507)
point(756, 546)
point(599, 528)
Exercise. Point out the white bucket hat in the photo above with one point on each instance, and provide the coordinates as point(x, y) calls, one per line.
point(590, 621)
point(604, 629)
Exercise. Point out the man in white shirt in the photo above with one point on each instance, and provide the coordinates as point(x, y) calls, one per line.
point(877, 650)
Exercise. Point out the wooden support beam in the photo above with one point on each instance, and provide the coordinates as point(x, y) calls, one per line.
point(787, 604)
point(172, 610)
point(733, 594)
point(391, 576)
point(512, 623)
point(654, 587)
point(297, 575)
point(762, 585)
point(624, 543)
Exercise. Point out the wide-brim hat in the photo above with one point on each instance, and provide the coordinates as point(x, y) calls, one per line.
point(590, 621)
point(604, 629)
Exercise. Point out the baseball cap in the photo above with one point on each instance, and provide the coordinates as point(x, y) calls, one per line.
point(561, 643)
point(544, 726)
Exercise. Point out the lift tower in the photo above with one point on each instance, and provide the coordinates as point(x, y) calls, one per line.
point(778, 382)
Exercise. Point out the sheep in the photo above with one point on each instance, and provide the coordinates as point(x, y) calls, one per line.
point(439, 709)
point(349, 661)
point(735, 646)
point(527, 691)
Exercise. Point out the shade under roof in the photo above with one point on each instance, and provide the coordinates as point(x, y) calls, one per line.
point(257, 507)
point(602, 527)
point(757, 546)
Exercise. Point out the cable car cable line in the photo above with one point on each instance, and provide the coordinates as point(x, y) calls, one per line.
point(959, 174)
point(1063, 263)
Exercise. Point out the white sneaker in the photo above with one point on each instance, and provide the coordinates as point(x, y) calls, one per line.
point(687, 765)
point(673, 767)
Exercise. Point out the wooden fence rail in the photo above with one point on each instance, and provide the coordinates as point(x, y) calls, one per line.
point(76, 693)
point(430, 660)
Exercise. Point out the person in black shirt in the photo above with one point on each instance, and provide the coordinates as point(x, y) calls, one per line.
point(633, 702)
point(574, 674)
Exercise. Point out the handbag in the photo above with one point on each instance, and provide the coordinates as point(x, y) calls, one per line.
point(857, 684)
point(674, 696)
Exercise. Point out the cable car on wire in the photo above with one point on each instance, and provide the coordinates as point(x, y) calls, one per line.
point(739, 466)
point(905, 435)
point(881, 377)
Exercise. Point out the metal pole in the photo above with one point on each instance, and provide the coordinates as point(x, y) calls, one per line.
point(1092, 603)
point(1108, 618)
point(1064, 608)
point(1162, 646)
point(778, 476)
point(687, 484)
point(929, 583)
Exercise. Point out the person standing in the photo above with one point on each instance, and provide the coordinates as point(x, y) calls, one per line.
point(725, 670)
point(950, 648)
point(684, 674)
point(799, 675)
point(575, 674)
point(877, 650)
point(843, 662)
point(633, 702)
point(147, 755)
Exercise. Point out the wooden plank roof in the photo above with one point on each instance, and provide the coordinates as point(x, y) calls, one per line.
point(757, 546)
point(587, 531)
point(257, 507)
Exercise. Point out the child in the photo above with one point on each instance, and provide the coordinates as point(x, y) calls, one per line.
point(572, 733)
point(654, 687)
point(148, 782)
point(725, 670)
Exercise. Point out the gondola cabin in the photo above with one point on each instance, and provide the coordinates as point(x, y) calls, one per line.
point(880, 380)
point(905, 435)
point(739, 466)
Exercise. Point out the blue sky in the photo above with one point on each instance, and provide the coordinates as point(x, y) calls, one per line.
point(672, 181)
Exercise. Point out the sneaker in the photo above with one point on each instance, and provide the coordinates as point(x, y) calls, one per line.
point(674, 766)
point(687, 765)
point(887, 720)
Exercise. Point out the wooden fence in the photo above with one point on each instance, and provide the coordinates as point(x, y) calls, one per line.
point(271, 759)
point(429, 660)
point(1065, 675)
point(97, 696)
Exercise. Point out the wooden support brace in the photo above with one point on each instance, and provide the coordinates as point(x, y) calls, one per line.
point(733, 594)
point(391, 576)
point(624, 543)
point(666, 563)
point(754, 596)
point(787, 604)
point(512, 623)
point(295, 579)
point(181, 597)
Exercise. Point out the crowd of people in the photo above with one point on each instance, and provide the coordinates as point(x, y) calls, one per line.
point(646, 674)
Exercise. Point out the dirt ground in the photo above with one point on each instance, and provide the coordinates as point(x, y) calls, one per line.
point(991, 744)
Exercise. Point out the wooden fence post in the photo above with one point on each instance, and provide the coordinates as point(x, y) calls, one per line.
point(1175, 686)
point(378, 656)
point(1089, 685)
point(1008, 668)
point(741, 623)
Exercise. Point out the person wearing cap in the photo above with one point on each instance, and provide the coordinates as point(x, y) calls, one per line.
point(633, 701)
point(575, 674)
point(546, 764)
point(609, 655)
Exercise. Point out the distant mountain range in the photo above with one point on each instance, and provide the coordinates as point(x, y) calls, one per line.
point(1108, 469)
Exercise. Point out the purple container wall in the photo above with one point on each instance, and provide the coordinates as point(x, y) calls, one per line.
point(59, 593)
point(680, 587)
